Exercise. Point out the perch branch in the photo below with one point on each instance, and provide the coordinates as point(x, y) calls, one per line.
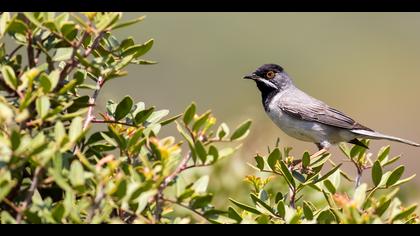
point(31, 191)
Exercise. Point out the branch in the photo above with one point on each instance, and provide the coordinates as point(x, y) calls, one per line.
point(92, 101)
point(14, 51)
point(96, 203)
point(112, 122)
point(28, 198)
point(359, 176)
point(30, 51)
point(159, 196)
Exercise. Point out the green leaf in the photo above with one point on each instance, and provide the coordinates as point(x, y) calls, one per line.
point(281, 209)
point(143, 115)
point(329, 186)
point(274, 158)
point(395, 176)
point(76, 129)
point(31, 17)
point(63, 54)
point(9, 77)
point(201, 151)
point(245, 207)
point(5, 188)
point(287, 175)
point(325, 217)
point(200, 201)
point(307, 211)
point(306, 160)
point(200, 186)
point(170, 120)
point(4, 21)
point(376, 173)
point(138, 50)
point(157, 115)
point(222, 131)
point(201, 121)
point(260, 162)
point(403, 181)
point(405, 213)
point(123, 108)
point(143, 200)
point(232, 213)
point(241, 131)
point(108, 20)
point(262, 204)
point(128, 23)
point(394, 159)
point(298, 176)
point(360, 195)
point(189, 113)
point(42, 106)
point(328, 174)
point(76, 174)
point(109, 139)
point(59, 132)
point(45, 83)
point(214, 153)
point(15, 139)
point(383, 153)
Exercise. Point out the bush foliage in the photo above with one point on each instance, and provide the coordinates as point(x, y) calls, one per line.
point(54, 168)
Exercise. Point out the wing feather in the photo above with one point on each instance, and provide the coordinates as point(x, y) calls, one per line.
point(304, 107)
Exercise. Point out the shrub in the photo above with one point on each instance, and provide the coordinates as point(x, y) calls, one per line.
point(303, 180)
point(54, 168)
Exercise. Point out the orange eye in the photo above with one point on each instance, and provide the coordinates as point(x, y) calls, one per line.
point(270, 74)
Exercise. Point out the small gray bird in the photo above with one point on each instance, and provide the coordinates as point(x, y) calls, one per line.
point(306, 118)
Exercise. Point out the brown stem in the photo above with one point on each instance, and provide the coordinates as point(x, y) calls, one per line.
point(112, 122)
point(29, 195)
point(96, 203)
point(92, 102)
point(14, 51)
point(165, 182)
point(30, 51)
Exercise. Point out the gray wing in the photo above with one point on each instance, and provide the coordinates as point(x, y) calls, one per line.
point(300, 105)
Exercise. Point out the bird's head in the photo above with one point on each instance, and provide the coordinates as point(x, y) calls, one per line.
point(270, 77)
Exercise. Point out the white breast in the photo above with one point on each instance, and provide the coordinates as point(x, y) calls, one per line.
point(305, 130)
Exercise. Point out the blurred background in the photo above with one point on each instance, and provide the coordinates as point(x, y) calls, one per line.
point(365, 64)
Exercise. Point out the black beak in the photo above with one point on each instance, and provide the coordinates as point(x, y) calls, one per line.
point(253, 77)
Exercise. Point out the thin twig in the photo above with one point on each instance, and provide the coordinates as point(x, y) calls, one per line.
point(92, 102)
point(96, 203)
point(165, 182)
point(31, 191)
point(14, 51)
point(359, 177)
point(194, 166)
point(11, 205)
point(112, 122)
point(186, 207)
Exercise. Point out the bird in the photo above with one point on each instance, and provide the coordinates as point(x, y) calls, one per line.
point(306, 118)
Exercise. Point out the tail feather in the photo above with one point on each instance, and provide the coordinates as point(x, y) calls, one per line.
point(376, 135)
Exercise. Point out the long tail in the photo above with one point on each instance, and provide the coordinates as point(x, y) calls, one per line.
point(376, 135)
